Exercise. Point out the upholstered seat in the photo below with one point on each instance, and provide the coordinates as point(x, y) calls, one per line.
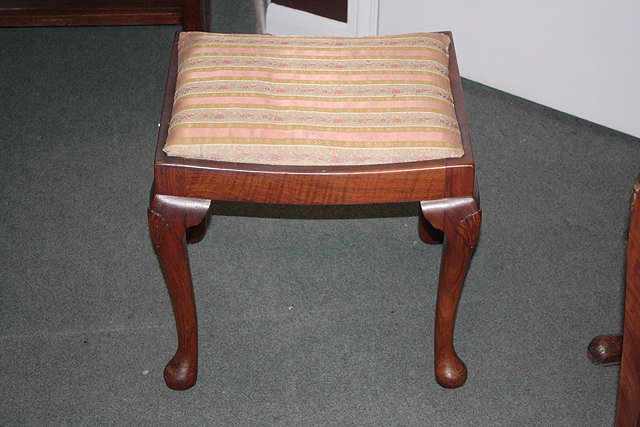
point(314, 121)
point(313, 100)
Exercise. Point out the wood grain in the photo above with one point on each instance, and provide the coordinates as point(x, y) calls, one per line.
point(191, 14)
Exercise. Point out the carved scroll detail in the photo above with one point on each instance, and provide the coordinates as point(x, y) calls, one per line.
point(469, 228)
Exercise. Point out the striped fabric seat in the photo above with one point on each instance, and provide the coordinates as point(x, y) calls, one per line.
point(313, 100)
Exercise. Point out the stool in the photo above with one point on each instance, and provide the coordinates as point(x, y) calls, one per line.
point(313, 121)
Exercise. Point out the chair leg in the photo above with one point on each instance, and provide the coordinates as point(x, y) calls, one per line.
point(459, 219)
point(197, 232)
point(169, 219)
point(428, 234)
point(605, 350)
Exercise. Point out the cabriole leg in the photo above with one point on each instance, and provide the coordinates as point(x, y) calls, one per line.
point(605, 350)
point(428, 234)
point(459, 219)
point(169, 219)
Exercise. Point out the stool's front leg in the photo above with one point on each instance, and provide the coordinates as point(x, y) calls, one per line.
point(169, 219)
point(459, 219)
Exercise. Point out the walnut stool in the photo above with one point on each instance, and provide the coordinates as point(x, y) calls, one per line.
point(314, 121)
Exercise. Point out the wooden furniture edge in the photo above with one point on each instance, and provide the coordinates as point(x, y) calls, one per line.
point(39, 13)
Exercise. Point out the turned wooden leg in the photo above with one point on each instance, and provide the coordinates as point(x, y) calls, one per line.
point(169, 219)
point(605, 350)
point(459, 219)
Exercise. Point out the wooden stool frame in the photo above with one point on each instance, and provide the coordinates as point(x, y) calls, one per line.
point(184, 189)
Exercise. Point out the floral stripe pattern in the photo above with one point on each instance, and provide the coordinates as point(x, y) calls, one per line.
point(313, 100)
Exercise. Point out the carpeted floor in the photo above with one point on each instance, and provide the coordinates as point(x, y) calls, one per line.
point(307, 316)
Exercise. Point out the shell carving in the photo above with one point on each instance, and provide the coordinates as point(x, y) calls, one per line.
point(158, 227)
point(469, 228)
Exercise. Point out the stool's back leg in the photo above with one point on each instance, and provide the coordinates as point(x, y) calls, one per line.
point(459, 219)
point(428, 234)
point(169, 219)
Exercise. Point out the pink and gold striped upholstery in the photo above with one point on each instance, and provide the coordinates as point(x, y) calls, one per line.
point(313, 100)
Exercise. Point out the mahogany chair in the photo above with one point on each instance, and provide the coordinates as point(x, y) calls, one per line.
point(193, 15)
point(625, 349)
point(184, 189)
